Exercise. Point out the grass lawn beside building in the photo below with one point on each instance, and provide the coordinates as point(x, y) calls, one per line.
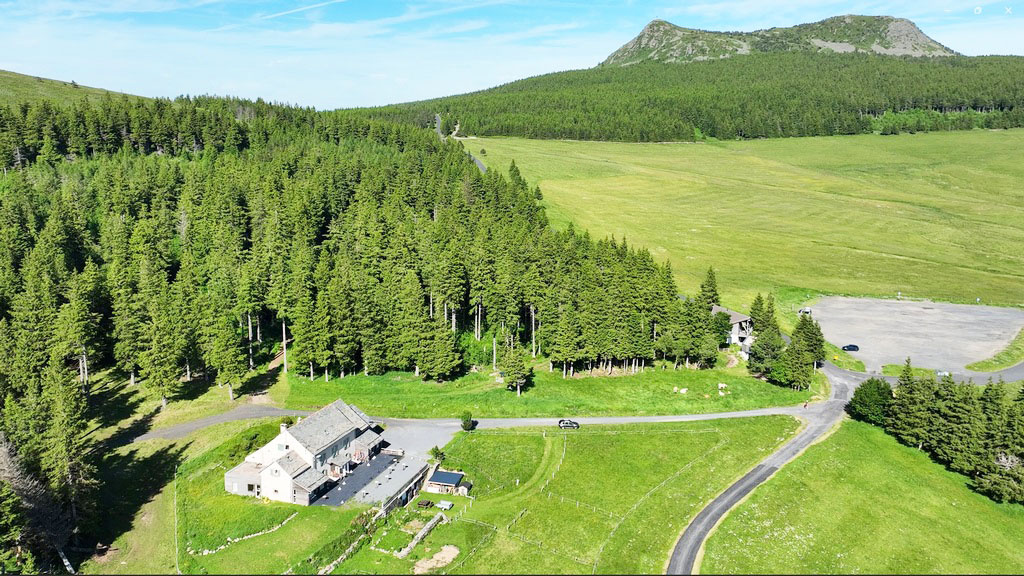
point(861, 502)
point(605, 499)
point(400, 394)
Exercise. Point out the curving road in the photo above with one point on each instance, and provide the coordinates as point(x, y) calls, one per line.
point(437, 128)
point(820, 418)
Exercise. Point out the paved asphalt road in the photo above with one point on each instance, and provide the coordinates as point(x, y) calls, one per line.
point(243, 412)
point(819, 418)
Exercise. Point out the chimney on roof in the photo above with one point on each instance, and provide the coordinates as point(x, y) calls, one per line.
point(283, 426)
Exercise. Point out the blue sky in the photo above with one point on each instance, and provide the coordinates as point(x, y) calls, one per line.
point(342, 53)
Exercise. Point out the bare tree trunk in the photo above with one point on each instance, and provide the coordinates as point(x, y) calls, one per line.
point(248, 318)
point(563, 370)
point(259, 334)
point(131, 378)
point(416, 370)
point(310, 370)
point(231, 392)
point(431, 304)
point(327, 375)
point(284, 344)
point(519, 389)
point(188, 371)
point(163, 401)
point(533, 330)
point(453, 319)
point(64, 559)
point(494, 352)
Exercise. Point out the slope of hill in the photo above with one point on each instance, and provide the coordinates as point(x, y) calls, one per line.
point(16, 88)
point(665, 42)
point(757, 96)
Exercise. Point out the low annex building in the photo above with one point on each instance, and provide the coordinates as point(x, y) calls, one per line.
point(303, 461)
point(442, 482)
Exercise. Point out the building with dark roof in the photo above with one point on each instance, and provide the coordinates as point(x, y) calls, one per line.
point(445, 482)
point(305, 459)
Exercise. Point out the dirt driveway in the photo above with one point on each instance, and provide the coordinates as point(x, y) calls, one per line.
point(934, 335)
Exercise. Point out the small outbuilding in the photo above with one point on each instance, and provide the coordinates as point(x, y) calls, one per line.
point(443, 482)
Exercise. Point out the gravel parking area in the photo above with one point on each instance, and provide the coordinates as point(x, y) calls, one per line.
point(932, 334)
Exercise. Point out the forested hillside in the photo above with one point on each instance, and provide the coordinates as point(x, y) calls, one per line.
point(756, 96)
point(163, 239)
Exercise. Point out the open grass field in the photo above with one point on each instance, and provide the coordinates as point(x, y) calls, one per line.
point(897, 369)
point(16, 88)
point(936, 215)
point(602, 499)
point(1009, 356)
point(402, 395)
point(861, 502)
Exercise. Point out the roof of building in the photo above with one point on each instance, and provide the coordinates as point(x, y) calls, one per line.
point(309, 480)
point(292, 463)
point(245, 471)
point(446, 478)
point(327, 425)
point(368, 439)
point(734, 316)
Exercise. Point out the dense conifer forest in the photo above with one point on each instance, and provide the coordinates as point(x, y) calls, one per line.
point(165, 239)
point(755, 96)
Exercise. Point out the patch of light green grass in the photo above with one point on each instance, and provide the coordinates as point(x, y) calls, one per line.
point(1012, 355)
point(400, 394)
point(897, 369)
point(17, 88)
point(823, 215)
point(861, 502)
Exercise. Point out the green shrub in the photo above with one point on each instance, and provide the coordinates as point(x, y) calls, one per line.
point(871, 401)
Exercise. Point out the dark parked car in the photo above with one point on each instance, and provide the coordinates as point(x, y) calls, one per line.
point(569, 424)
point(851, 348)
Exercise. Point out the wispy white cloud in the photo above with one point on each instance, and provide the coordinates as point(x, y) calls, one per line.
point(299, 9)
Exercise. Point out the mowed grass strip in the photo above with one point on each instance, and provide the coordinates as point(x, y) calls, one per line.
point(861, 502)
point(402, 395)
point(937, 215)
point(1012, 355)
point(606, 499)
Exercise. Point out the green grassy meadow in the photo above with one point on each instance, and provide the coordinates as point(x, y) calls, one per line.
point(402, 395)
point(602, 499)
point(16, 88)
point(861, 502)
point(936, 215)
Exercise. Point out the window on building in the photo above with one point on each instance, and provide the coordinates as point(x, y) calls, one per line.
point(280, 447)
point(251, 487)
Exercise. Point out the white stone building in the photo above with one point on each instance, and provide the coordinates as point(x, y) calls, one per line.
point(304, 460)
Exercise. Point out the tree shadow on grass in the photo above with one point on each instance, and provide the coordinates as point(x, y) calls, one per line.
point(128, 479)
point(259, 383)
point(138, 427)
point(113, 403)
point(192, 389)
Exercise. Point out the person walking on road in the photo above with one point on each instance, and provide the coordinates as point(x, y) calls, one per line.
point(805, 403)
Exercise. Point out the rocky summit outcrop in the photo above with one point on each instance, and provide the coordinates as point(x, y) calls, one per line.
point(663, 41)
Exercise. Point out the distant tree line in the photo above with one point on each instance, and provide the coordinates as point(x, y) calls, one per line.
point(168, 239)
point(975, 430)
point(752, 96)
